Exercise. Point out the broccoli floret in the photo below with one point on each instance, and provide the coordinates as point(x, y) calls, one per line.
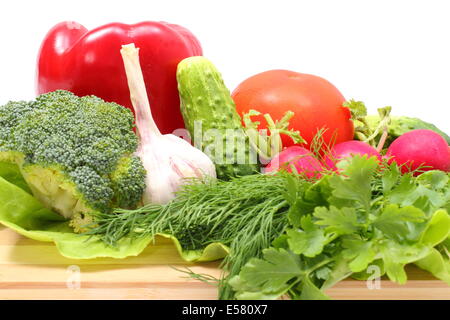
point(10, 115)
point(76, 153)
point(81, 222)
point(126, 182)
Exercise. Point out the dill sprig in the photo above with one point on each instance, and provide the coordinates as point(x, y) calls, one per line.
point(203, 277)
point(246, 214)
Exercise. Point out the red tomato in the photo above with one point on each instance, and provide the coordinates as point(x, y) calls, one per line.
point(316, 103)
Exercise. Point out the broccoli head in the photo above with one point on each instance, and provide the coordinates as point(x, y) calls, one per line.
point(76, 153)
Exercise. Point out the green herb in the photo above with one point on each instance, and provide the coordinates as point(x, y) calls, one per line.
point(363, 131)
point(290, 236)
point(268, 145)
point(246, 214)
point(344, 223)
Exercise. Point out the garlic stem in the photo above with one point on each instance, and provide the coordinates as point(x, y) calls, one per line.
point(145, 124)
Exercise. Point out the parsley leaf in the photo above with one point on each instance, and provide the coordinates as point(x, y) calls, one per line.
point(313, 196)
point(396, 256)
point(390, 177)
point(393, 220)
point(434, 179)
point(309, 241)
point(270, 274)
point(309, 291)
point(357, 108)
point(355, 181)
point(359, 253)
point(339, 221)
point(424, 192)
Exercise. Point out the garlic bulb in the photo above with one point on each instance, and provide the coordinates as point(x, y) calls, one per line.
point(167, 158)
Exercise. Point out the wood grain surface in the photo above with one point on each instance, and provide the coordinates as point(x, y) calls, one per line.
point(35, 270)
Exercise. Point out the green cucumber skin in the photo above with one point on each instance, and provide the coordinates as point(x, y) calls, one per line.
point(204, 97)
point(400, 125)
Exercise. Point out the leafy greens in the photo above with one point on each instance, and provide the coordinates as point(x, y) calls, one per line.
point(23, 213)
point(369, 214)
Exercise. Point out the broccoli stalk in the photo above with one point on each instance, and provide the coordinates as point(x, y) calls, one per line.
point(75, 153)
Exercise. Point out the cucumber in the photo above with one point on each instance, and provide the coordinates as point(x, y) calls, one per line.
point(400, 125)
point(211, 118)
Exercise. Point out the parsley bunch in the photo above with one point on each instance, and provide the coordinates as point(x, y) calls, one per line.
point(370, 214)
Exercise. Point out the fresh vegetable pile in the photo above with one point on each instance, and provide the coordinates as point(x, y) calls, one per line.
point(293, 186)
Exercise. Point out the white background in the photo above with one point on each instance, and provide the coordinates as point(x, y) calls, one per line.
point(382, 52)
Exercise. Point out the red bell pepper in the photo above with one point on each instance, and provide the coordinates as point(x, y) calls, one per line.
point(89, 62)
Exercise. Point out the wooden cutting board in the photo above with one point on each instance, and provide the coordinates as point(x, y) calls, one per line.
point(35, 270)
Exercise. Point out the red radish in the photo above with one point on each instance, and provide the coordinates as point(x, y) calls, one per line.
point(422, 148)
point(302, 159)
point(348, 149)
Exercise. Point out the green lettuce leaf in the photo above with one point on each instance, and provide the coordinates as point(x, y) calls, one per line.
point(21, 212)
point(437, 264)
